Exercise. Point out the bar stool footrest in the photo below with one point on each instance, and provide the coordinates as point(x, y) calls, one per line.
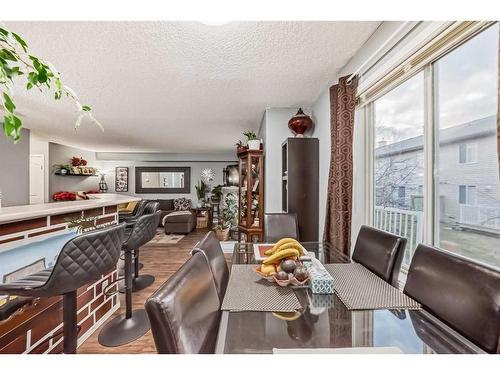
point(106, 291)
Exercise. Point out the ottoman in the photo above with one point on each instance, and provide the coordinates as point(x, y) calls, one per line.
point(179, 222)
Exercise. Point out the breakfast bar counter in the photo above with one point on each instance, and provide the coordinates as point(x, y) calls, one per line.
point(16, 213)
point(31, 238)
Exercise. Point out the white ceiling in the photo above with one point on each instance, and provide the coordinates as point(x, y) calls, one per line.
point(181, 86)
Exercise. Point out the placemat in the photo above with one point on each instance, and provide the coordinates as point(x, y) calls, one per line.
point(360, 289)
point(247, 291)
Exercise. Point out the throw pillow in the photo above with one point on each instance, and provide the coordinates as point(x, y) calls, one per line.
point(182, 204)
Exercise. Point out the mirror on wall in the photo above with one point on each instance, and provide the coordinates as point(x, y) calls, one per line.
point(164, 180)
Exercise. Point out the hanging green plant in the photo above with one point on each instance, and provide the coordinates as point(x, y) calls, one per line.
point(17, 63)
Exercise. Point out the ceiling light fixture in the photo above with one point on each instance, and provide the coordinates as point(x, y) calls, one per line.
point(214, 22)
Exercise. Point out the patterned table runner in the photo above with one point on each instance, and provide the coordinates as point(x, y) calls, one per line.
point(360, 289)
point(247, 291)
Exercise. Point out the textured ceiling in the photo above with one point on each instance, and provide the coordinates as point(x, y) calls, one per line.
point(181, 86)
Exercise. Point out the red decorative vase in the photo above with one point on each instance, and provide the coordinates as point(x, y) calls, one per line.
point(300, 123)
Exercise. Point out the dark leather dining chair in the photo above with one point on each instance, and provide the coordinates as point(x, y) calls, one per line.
point(278, 226)
point(185, 311)
point(381, 252)
point(463, 294)
point(434, 336)
point(210, 245)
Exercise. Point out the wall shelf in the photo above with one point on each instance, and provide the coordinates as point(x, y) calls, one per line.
point(75, 175)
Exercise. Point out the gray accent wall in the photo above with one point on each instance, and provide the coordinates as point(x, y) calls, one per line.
point(196, 169)
point(60, 154)
point(108, 161)
point(14, 169)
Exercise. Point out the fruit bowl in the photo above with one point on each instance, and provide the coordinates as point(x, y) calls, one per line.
point(263, 275)
point(282, 264)
point(272, 278)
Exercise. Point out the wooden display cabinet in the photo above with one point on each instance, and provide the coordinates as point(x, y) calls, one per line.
point(251, 193)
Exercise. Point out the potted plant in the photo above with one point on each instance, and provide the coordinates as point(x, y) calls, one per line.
point(252, 141)
point(216, 193)
point(201, 191)
point(222, 231)
point(61, 168)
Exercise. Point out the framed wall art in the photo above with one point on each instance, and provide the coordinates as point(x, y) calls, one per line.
point(121, 181)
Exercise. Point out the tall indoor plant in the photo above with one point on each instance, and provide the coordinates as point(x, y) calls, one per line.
point(16, 63)
point(201, 192)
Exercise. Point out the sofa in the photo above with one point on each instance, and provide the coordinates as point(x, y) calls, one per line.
point(176, 223)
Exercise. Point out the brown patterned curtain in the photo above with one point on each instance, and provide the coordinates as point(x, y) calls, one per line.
point(498, 113)
point(339, 200)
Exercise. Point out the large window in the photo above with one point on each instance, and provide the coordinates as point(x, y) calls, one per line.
point(468, 192)
point(399, 167)
point(437, 132)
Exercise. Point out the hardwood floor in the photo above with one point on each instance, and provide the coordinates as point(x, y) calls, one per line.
point(161, 261)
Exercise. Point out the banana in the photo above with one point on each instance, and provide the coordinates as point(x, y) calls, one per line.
point(282, 242)
point(287, 253)
point(289, 316)
point(268, 269)
point(290, 245)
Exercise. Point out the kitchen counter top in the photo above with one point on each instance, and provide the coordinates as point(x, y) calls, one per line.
point(31, 211)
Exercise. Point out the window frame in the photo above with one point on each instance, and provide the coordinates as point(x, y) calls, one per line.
point(467, 146)
point(430, 149)
point(467, 194)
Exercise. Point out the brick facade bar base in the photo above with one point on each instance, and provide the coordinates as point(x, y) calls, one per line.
point(27, 330)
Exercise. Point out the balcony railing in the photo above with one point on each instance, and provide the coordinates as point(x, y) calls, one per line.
point(404, 223)
point(480, 217)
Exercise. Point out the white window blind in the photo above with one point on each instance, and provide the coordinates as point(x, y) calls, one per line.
point(455, 34)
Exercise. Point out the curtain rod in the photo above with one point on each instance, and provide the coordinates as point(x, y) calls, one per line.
point(377, 51)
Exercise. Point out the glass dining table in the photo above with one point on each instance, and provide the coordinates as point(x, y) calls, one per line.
point(325, 322)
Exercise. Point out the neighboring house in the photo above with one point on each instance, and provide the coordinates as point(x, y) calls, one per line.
point(469, 185)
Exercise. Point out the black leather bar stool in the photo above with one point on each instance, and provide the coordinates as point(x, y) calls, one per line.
point(83, 259)
point(129, 218)
point(144, 207)
point(133, 324)
point(138, 211)
point(140, 282)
